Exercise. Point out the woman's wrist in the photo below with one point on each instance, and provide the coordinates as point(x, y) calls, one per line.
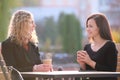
point(82, 66)
point(92, 64)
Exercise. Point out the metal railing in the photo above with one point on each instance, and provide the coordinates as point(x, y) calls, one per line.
point(70, 75)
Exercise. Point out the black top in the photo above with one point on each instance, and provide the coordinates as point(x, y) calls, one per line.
point(105, 58)
point(20, 58)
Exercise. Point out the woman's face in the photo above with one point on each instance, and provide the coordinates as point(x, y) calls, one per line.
point(31, 25)
point(92, 29)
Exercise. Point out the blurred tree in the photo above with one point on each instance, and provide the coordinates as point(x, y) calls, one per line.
point(51, 30)
point(40, 30)
point(47, 45)
point(71, 32)
point(47, 28)
point(4, 12)
point(14, 3)
point(58, 44)
point(5, 8)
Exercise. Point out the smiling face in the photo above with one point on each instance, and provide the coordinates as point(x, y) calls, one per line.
point(98, 26)
point(92, 29)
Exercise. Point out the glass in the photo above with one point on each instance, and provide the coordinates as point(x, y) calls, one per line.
point(47, 59)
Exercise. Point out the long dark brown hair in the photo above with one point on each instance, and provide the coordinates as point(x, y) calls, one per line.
point(102, 24)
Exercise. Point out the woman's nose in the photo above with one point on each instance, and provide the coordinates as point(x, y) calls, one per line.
point(34, 25)
point(88, 29)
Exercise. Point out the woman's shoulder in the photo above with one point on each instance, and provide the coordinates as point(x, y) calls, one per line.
point(33, 44)
point(110, 43)
point(7, 41)
point(87, 46)
point(107, 44)
point(7, 46)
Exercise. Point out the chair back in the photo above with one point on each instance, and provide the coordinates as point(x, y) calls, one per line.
point(4, 73)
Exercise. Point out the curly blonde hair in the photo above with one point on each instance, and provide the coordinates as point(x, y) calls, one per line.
point(18, 28)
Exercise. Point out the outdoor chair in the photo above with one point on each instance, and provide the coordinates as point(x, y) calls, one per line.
point(8, 72)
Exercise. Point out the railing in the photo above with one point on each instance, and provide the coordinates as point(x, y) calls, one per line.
point(69, 74)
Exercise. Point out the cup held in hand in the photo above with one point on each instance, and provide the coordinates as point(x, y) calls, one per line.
point(47, 61)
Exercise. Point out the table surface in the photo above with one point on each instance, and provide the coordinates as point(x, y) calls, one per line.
point(60, 74)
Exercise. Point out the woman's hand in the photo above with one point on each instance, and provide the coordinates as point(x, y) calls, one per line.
point(79, 60)
point(42, 68)
point(79, 57)
point(83, 57)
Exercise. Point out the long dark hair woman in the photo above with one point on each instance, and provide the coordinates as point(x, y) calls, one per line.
point(101, 53)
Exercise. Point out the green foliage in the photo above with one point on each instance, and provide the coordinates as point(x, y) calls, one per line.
point(5, 6)
point(4, 16)
point(67, 30)
point(48, 29)
point(51, 29)
point(47, 45)
point(14, 3)
point(71, 32)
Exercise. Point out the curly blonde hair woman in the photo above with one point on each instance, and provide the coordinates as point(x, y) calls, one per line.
point(19, 28)
point(19, 49)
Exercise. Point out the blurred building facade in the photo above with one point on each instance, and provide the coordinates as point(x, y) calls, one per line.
point(81, 8)
point(111, 8)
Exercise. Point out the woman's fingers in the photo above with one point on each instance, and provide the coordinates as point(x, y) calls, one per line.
point(81, 56)
point(44, 67)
